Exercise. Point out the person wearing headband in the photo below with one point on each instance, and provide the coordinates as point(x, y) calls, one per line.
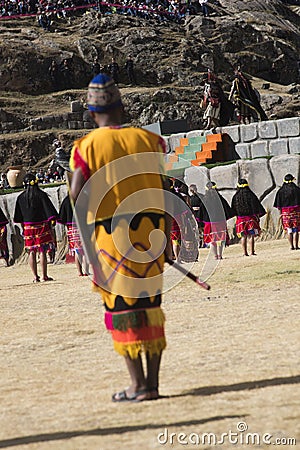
point(248, 209)
point(118, 187)
point(287, 200)
point(36, 213)
point(214, 212)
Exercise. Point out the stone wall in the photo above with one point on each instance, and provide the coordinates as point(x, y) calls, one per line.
point(270, 138)
point(77, 119)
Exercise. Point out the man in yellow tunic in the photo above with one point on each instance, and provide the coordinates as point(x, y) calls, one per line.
point(118, 186)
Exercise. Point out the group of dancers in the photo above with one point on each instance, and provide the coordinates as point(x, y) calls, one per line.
point(211, 212)
point(37, 216)
point(127, 266)
point(198, 221)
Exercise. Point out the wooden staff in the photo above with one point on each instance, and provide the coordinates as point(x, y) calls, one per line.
point(188, 274)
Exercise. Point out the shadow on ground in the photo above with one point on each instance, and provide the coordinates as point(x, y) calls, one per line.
point(208, 390)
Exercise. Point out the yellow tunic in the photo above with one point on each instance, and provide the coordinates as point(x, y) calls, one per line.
point(124, 168)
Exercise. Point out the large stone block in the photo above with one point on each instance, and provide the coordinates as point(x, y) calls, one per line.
point(216, 130)
point(53, 194)
point(231, 227)
point(62, 193)
point(14, 237)
point(242, 151)
point(248, 132)
point(282, 165)
point(226, 177)
point(259, 148)
point(166, 140)
point(174, 140)
point(294, 145)
point(267, 130)
point(257, 173)
point(288, 127)
point(278, 147)
point(270, 223)
point(195, 133)
point(227, 194)
point(76, 106)
point(198, 176)
point(233, 132)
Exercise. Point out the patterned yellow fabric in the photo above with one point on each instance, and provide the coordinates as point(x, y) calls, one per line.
point(123, 171)
point(120, 273)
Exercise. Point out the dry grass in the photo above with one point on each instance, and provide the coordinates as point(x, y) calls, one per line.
point(233, 355)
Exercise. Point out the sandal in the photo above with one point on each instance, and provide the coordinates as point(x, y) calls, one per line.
point(139, 396)
point(36, 280)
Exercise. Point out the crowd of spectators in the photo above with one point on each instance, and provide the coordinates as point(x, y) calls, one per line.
point(48, 10)
point(53, 174)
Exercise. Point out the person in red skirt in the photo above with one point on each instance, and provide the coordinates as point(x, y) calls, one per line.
point(248, 209)
point(36, 213)
point(75, 245)
point(3, 238)
point(214, 212)
point(287, 200)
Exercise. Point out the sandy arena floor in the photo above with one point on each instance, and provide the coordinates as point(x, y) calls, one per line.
point(232, 361)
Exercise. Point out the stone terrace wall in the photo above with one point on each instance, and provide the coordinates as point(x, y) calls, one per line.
point(270, 138)
point(78, 118)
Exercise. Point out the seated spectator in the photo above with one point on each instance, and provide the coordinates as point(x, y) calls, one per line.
point(40, 175)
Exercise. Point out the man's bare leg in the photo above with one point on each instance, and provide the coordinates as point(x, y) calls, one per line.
point(33, 265)
point(244, 245)
point(153, 366)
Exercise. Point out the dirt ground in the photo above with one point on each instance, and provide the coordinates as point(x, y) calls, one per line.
point(232, 361)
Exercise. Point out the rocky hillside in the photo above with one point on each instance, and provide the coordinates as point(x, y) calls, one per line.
point(260, 35)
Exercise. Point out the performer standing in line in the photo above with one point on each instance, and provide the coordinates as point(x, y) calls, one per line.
point(74, 241)
point(214, 212)
point(119, 170)
point(196, 202)
point(287, 200)
point(35, 211)
point(248, 209)
point(3, 238)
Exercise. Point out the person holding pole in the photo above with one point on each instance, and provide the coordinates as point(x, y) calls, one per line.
point(118, 191)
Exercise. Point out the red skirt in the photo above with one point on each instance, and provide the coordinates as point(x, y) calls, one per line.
point(290, 217)
point(38, 237)
point(175, 231)
point(214, 232)
point(75, 245)
point(3, 242)
point(247, 226)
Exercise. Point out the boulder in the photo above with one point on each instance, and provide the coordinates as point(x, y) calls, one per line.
point(198, 176)
point(258, 175)
point(225, 177)
point(282, 165)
